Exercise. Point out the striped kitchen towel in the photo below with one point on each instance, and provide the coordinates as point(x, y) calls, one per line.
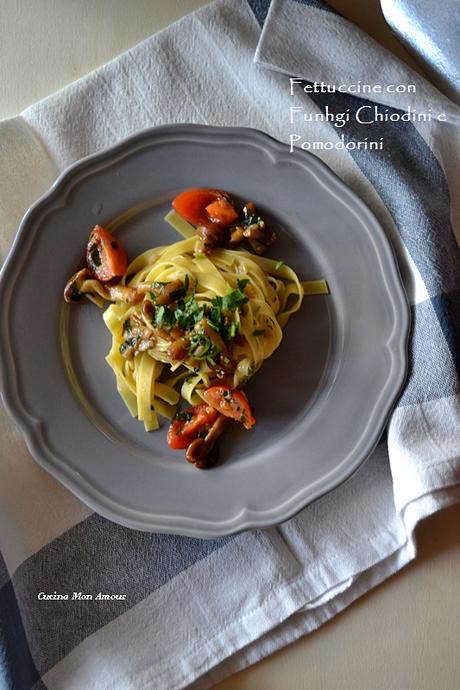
point(188, 612)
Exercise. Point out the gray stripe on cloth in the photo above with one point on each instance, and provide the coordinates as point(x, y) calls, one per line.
point(39, 685)
point(411, 184)
point(96, 556)
point(260, 9)
point(4, 574)
point(431, 368)
point(318, 5)
point(408, 178)
point(17, 669)
point(447, 308)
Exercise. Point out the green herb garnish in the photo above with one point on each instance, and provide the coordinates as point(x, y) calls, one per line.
point(164, 317)
point(234, 299)
point(180, 292)
point(183, 416)
point(188, 312)
point(203, 348)
point(231, 330)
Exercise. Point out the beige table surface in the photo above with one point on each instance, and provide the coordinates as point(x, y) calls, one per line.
point(404, 635)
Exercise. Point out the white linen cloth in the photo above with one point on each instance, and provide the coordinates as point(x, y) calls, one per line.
point(198, 610)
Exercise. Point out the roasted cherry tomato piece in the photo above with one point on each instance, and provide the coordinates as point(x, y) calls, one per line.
point(105, 257)
point(221, 212)
point(186, 426)
point(230, 402)
point(191, 204)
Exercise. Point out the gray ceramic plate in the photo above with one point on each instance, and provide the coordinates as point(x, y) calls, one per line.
point(321, 400)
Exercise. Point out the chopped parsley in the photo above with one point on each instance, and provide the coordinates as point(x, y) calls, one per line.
point(127, 326)
point(221, 314)
point(188, 312)
point(232, 330)
point(164, 317)
point(180, 292)
point(235, 298)
point(183, 416)
point(232, 300)
point(203, 348)
point(218, 315)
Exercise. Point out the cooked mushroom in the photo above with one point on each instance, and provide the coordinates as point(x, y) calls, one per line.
point(249, 208)
point(255, 229)
point(148, 311)
point(211, 235)
point(137, 337)
point(259, 233)
point(146, 344)
point(134, 326)
point(236, 236)
point(83, 284)
point(73, 290)
point(168, 292)
point(223, 371)
point(199, 451)
point(123, 293)
point(178, 349)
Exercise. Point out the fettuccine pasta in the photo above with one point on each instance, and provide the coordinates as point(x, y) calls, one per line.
point(193, 320)
point(147, 383)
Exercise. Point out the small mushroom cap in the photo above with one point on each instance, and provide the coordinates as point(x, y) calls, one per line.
point(72, 292)
point(202, 452)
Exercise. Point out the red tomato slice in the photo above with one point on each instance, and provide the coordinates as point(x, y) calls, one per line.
point(221, 212)
point(193, 205)
point(187, 425)
point(230, 402)
point(105, 257)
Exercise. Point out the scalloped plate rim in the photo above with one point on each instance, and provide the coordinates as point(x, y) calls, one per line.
point(245, 518)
